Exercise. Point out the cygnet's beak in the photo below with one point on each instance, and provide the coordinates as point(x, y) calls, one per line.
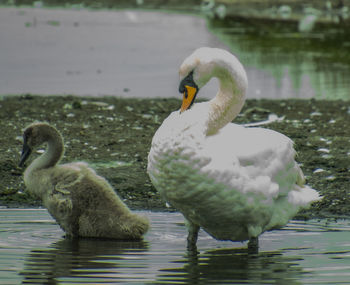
point(189, 89)
point(26, 151)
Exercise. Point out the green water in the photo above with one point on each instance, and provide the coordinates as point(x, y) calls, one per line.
point(319, 59)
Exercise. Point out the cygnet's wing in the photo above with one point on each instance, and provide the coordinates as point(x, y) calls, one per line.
point(66, 187)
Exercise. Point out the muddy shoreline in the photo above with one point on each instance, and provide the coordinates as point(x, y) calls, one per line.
point(114, 136)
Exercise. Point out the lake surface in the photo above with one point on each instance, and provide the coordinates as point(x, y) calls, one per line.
point(137, 53)
point(34, 251)
point(285, 63)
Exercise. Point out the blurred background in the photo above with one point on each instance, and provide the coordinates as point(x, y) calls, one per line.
point(290, 48)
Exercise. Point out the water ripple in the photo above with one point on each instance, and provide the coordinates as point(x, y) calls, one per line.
point(33, 251)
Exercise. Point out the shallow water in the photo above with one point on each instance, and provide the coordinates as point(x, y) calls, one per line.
point(33, 250)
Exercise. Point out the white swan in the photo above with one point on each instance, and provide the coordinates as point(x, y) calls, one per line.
point(232, 181)
point(82, 202)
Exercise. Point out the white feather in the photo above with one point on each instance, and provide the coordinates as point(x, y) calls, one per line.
point(232, 181)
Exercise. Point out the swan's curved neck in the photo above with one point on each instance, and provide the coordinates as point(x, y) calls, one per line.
point(227, 103)
point(51, 156)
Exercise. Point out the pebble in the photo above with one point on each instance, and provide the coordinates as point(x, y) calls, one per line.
point(327, 156)
point(147, 116)
point(67, 106)
point(110, 107)
point(315, 114)
point(19, 138)
point(331, 178)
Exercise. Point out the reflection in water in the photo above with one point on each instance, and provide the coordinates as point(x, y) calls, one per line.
point(83, 260)
point(316, 64)
point(95, 261)
point(32, 250)
point(235, 266)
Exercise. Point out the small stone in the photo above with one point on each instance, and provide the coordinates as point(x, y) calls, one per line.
point(313, 114)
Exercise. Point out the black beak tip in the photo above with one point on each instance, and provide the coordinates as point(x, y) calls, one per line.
point(21, 163)
point(25, 154)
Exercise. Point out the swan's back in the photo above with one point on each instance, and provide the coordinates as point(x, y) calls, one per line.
point(235, 184)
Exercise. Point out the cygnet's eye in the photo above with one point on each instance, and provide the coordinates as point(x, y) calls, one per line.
point(27, 136)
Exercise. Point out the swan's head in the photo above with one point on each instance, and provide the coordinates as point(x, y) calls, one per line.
point(33, 136)
point(205, 63)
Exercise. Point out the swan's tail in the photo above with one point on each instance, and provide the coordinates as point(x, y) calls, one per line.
point(303, 196)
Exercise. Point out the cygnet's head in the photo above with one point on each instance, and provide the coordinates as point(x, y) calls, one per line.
point(205, 63)
point(33, 136)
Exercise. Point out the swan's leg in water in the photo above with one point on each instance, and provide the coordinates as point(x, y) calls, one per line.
point(253, 245)
point(192, 236)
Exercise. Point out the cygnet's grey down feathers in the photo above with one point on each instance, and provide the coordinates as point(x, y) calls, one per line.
point(83, 203)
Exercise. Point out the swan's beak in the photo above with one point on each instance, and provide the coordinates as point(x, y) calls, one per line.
point(189, 90)
point(26, 151)
point(188, 97)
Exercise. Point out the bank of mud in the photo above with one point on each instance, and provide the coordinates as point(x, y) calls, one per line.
point(114, 136)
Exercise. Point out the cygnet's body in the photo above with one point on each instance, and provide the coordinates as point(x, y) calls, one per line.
point(83, 203)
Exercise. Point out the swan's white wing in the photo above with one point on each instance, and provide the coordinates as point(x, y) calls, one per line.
point(235, 184)
point(262, 158)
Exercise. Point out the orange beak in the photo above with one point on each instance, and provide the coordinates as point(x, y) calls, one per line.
point(188, 97)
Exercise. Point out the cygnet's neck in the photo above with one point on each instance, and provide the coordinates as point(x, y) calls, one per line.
point(53, 153)
point(229, 100)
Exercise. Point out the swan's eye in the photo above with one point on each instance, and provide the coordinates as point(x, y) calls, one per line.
point(187, 81)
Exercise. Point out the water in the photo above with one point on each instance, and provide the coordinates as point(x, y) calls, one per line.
point(33, 251)
point(136, 53)
point(118, 53)
point(285, 63)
